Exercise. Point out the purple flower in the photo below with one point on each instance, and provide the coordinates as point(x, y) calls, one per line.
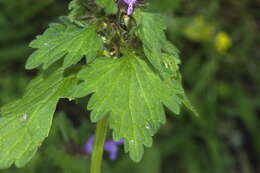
point(130, 4)
point(110, 147)
point(89, 145)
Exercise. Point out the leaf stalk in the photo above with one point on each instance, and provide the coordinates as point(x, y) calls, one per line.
point(99, 140)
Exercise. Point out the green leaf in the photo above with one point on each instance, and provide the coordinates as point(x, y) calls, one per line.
point(109, 5)
point(173, 77)
point(150, 30)
point(162, 54)
point(25, 123)
point(189, 106)
point(77, 11)
point(171, 64)
point(64, 40)
point(133, 95)
point(169, 48)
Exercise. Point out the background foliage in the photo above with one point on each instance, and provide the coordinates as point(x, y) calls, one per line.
point(219, 43)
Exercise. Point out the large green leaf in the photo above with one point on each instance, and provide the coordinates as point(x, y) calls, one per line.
point(25, 123)
point(109, 5)
point(64, 40)
point(132, 95)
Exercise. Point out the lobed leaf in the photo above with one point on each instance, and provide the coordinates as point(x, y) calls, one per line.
point(132, 94)
point(25, 123)
point(162, 54)
point(64, 40)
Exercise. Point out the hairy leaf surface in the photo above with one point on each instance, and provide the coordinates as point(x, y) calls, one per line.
point(25, 123)
point(132, 95)
point(64, 40)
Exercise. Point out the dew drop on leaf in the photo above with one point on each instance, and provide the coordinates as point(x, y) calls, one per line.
point(147, 126)
point(131, 141)
point(24, 117)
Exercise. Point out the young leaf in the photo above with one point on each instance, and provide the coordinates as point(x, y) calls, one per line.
point(64, 39)
point(109, 5)
point(130, 92)
point(25, 123)
point(150, 30)
point(77, 11)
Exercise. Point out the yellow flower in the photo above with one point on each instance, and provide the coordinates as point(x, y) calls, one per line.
point(222, 42)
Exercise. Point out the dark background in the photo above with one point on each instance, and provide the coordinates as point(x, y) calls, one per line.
point(219, 42)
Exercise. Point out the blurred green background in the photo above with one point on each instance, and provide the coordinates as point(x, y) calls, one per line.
point(219, 42)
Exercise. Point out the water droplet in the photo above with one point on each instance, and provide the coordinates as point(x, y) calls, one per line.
point(147, 126)
point(46, 44)
point(131, 141)
point(24, 117)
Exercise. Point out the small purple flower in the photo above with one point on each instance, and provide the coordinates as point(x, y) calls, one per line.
point(89, 145)
point(110, 147)
point(130, 4)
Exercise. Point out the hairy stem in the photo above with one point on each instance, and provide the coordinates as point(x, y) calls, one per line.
point(100, 137)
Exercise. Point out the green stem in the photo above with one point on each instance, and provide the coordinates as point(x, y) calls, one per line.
point(100, 137)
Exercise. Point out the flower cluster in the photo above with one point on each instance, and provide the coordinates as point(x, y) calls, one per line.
point(130, 4)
